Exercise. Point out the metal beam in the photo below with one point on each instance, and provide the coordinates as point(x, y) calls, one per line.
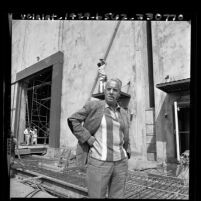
point(39, 85)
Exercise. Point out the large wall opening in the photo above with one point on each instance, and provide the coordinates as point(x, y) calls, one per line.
point(38, 101)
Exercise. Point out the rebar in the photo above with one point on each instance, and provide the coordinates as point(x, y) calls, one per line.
point(138, 185)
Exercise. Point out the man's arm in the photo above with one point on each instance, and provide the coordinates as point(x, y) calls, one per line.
point(75, 124)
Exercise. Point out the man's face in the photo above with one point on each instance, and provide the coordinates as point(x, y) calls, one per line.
point(112, 92)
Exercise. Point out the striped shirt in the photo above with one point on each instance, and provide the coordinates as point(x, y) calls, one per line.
point(108, 145)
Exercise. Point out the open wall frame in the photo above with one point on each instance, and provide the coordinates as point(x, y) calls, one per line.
point(56, 62)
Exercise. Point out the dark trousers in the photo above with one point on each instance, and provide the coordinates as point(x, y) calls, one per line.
point(103, 176)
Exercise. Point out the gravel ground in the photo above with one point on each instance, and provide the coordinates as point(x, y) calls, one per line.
point(20, 190)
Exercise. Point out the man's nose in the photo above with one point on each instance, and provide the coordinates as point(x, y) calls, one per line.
point(111, 91)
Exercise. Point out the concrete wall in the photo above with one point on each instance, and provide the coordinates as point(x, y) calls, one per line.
point(84, 43)
point(32, 39)
point(171, 56)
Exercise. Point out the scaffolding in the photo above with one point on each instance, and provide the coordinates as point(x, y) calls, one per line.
point(38, 98)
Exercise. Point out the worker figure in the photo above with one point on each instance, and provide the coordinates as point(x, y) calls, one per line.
point(27, 135)
point(103, 143)
point(34, 136)
point(102, 75)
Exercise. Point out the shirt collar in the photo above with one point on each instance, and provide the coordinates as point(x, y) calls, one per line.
point(118, 106)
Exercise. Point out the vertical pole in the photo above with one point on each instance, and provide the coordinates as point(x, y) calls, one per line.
point(13, 99)
point(32, 103)
point(18, 108)
point(55, 108)
point(150, 65)
point(27, 106)
point(177, 130)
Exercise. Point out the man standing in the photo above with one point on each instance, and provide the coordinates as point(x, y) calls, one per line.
point(27, 135)
point(103, 139)
point(34, 136)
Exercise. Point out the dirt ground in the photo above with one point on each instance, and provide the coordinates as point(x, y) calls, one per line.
point(20, 190)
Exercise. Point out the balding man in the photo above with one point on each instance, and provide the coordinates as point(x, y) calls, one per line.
point(103, 143)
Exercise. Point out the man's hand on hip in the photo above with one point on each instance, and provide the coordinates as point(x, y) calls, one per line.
point(91, 140)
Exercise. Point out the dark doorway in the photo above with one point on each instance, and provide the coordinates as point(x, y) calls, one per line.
point(38, 101)
point(184, 127)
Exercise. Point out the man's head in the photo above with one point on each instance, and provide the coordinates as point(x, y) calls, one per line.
point(112, 91)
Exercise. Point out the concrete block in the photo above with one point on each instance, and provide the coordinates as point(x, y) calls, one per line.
point(52, 166)
point(151, 147)
point(150, 129)
point(150, 139)
point(149, 116)
point(22, 151)
point(141, 164)
point(151, 156)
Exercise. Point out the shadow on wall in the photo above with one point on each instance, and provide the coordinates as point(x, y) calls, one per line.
point(164, 128)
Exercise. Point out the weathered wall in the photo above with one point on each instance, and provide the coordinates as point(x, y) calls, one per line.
point(83, 44)
point(171, 56)
point(32, 39)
